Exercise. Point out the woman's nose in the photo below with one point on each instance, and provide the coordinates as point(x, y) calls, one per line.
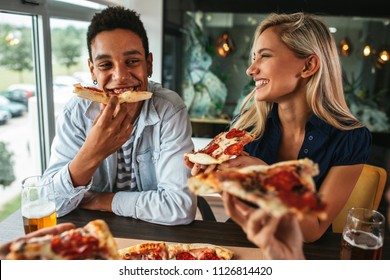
point(252, 70)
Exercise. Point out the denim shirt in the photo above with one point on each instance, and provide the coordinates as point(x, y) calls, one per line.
point(162, 137)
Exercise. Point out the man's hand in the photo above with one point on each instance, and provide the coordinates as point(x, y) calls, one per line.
point(97, 201)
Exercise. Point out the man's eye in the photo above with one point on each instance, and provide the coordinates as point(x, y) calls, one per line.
point(132, 61)
point(104, 65)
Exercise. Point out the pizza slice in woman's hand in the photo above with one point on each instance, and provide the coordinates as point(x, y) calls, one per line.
point(222, 147)
point(279, 188)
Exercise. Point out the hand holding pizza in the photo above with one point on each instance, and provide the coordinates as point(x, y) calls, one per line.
point(110, 130)
point(278, 237)
point(55, 230)
point(240, 161)
point(223, 147)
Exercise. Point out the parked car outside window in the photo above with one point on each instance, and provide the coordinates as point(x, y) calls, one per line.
point(4, 116)
point(16, 95)
point(16, 109)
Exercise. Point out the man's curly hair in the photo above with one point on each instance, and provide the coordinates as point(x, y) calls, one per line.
point(116, 17)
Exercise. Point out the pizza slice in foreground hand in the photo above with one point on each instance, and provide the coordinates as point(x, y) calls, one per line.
point(98, 95)
point(223, 147)
point(279, 188)
point(93, 241)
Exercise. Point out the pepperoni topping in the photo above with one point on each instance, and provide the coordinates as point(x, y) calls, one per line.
point(291, 191)
point(210, 149)
point(235, 133)
point(185, 256)
point(209, 256)
point(283, 180)
point(75, 245)
point(234, 149)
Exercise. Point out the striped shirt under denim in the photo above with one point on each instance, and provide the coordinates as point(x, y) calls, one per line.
point(126, 178)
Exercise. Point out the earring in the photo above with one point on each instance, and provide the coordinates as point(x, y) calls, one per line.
point(95, 82)
point(149, 76)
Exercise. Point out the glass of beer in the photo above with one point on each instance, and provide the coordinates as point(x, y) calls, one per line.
point(363, 235)
point(38, 203)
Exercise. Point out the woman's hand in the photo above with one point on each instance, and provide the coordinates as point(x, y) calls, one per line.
point(278, 237)
point(197, 168)
point(242, 160)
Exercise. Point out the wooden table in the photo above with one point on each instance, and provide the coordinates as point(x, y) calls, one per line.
point(225, 234)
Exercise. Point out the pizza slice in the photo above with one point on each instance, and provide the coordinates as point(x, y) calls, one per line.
point(145, 251)
point(198, 251)
point(98, 95)
point(222, 147)
point(279, 188)
point(160, 250)
point(93, 241)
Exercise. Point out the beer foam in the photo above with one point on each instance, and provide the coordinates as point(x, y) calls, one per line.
point(363, 240)
point(38, 209)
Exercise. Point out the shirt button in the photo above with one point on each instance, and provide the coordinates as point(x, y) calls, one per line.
point(305, 151)
point(311, 137)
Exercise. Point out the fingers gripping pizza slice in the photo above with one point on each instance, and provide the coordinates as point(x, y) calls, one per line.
point(223, 147)
point(93, 241)
point(280, 188)
point(98, 95)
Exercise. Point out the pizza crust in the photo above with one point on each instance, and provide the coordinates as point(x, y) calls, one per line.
point(97, 95)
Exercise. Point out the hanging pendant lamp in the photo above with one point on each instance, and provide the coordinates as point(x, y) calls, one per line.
point(224, 45)
point(345, 47)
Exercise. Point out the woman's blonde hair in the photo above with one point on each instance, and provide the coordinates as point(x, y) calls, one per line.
point(305, 35)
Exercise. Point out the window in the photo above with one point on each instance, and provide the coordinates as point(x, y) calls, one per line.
point(36, 83)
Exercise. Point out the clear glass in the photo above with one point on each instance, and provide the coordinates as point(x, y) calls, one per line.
point(38, 203)
point(17, 88)
point(362, 235)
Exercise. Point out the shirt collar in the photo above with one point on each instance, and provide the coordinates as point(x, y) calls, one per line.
point(314, 121)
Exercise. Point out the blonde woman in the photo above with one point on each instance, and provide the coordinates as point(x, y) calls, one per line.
point(298, 110)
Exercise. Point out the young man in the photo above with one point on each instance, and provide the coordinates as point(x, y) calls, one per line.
point(125, 158)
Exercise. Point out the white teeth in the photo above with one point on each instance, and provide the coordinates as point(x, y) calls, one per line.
point(261, 83)
point(121, 90)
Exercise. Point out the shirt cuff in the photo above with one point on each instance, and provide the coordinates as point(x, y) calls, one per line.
point(124, 204)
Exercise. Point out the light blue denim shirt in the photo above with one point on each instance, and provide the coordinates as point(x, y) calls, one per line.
point(162, 137)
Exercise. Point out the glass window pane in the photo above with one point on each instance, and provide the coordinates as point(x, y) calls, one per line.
point(69, 58)
point(17, 87)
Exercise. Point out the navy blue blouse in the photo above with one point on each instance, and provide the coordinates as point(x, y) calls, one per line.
point(323, 144)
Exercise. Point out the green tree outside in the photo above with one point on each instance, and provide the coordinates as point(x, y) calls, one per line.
point(15, 49)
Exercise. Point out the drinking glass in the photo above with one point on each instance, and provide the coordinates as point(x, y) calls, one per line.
point(38, 203)
point(363, 235)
